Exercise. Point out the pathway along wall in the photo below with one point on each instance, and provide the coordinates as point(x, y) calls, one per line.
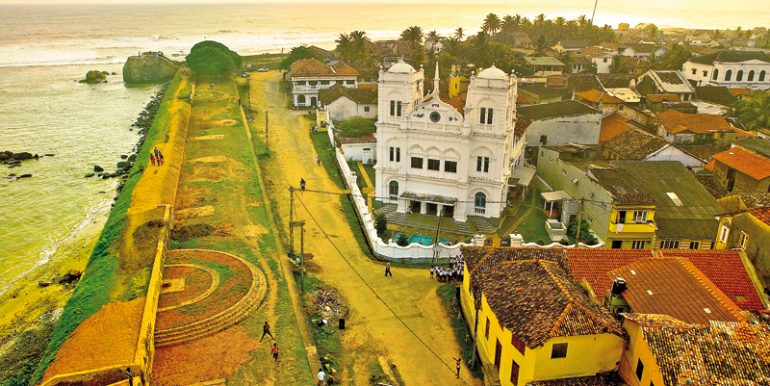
point(413, 252)
point(94, 353)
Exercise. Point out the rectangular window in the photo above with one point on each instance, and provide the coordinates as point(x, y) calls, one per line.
point(398, 108)
point(543, 140)
point(743, 240)
point(486, 164)
point(639, 369)
point(498, 353)
point(605, 60)
point(325, 82)
point(416, 163)
point(518, 343)
point(482, 164)
point(705, 74)
point(694, 244)
point(350, 82)
point(398, 154)
point(392, 108)
point(486, 330)
point(514, 372)
point(638, 244)
point(489, 116)
point(640, 216)
point(669, 244)
point(450, 166)
point(392, 153)
point(559, 350)
point(724, 233)
point(483, 115)
point(694, 71)
point(621, 217)
point(617, 244)
point(366, 109)
point(434, 164)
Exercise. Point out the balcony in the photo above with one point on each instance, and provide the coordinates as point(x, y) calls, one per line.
point(633, 227)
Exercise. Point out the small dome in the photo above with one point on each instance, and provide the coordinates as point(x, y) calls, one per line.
point(492, 73)
point(401, 68)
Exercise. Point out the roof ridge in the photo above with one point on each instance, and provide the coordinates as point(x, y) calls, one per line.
point(710, 287)
point(560, 319)
point(482, 260)
point(553, 277)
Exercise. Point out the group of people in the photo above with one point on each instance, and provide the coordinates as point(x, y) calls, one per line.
point(156, 157)
point(453, 272)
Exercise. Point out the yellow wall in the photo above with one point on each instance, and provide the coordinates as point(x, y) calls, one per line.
point(586, 355)
point(638, 349)
point(630, 226)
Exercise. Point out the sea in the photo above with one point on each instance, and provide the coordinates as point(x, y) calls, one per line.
point(44, 49)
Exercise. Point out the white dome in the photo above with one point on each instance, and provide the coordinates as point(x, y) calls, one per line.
point(492, 73)
point(401, 68)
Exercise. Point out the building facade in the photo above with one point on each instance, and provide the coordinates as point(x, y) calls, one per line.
point(435, 159)
point(309, 76)
point(750, 69)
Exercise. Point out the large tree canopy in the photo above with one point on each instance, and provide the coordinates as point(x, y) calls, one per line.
point(212, 58)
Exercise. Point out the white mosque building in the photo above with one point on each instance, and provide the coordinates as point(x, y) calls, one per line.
point(452, 159)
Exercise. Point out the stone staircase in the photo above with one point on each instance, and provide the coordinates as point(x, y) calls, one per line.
point(220, 321)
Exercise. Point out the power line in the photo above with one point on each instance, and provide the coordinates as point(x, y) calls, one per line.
point(326, 235)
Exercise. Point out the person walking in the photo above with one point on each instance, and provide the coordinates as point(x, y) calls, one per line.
point(160, 160)
point(266, 331)
point(152, 159)
point(302, 183)
point(387, 269)
point(321, 377)
point(318, 160)
point(130, 376)
point(274, 351)
point(458, 361)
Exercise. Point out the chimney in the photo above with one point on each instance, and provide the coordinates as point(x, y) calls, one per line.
point(618, 286)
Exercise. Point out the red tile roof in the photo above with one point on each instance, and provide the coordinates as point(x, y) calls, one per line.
point(724, 268)
point(746, 162)
point(676, 122)
point(763, 214)
point(596, 96)
point(316, 68)
point(458, 102)
point(674, 287)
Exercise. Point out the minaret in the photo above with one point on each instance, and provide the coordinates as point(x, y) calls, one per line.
point(436, 80)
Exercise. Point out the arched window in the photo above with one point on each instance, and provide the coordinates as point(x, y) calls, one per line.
point(762, 76)
point(393, 190)
point(739, 76)
point(301, 99)
point(480, 203)
point(716, 74)
point(751, 76)
point(728, 75)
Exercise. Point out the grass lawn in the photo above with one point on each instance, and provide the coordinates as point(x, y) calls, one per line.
point(328, 158)
point(269, 61)
point(529, 223)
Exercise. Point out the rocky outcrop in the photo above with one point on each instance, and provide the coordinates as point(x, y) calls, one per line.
point(94, 76)
point(150, 67)
point(12, 159)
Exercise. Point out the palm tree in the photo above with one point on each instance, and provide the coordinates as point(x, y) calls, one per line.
point(361, 54)
point(540, 45)
point(459, 33)
point(509, 25)
point(413, 35)
point(433, 36)
point(754, 112)
point(344, 47)
point(491, 24)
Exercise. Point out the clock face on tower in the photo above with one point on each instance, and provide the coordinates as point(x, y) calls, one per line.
point(435, 117)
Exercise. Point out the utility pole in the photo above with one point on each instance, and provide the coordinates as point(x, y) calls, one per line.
point(301, 225)
point(580, 220)
point(291, 221)
point(596, 2)
point(267, 132)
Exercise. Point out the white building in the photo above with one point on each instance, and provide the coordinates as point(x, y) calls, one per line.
point(750, 69)
point(435, 158)
point(665, 82)
point(308, 76)
point(343, 102)
point(561, 123)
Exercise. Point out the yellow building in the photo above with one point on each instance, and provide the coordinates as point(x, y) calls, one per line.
point(666, 351)
point(749, 230)
point(458, 83)
point(534, 324)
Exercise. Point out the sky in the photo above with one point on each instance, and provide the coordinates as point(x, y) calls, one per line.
point(751, 6)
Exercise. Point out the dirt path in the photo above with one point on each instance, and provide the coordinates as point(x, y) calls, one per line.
point(389, 316)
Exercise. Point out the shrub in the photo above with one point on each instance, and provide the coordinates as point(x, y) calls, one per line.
point(212, 58)
point(381, 224)
point(402, 240)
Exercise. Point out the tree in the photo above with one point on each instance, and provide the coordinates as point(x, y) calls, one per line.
point(754, 112)
point(381, 224)
point(585, 233)
point(297, 53)
point(459, 33)
point(675, 56)
point(413, 35)
point(210, 58)
point(362, 54)
point(491, 24)
point(433, 37)
point(402, 240)
point(540, 45)
point(344, 47)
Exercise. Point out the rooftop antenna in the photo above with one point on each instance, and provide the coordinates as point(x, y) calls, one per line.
point(596, 2)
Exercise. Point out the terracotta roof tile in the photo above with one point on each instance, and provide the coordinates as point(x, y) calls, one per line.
point(596, 96)
point(458, 102)
point(536, 300)
point(521, 126)
point(655, 98)
point(676, 122)
point(633, 143)
point(316, 68)
point(724, 268)
point(673, 286)
point(596, 380)
point(746, 162)
point(762, 214)
point(724, 353)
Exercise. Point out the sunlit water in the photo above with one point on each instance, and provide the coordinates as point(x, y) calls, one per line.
point(43, 49)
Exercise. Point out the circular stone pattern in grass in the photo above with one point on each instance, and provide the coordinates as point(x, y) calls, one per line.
point(205, 292)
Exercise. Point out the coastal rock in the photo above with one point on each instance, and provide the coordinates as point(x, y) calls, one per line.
point(131, 158)
point(148, 68)
point(70, 277)
point(89, 175)
point(94, 76)
point(98, 169)
point(123, 165)
point(123, 156)
point(24, 156)
point(25, 175)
